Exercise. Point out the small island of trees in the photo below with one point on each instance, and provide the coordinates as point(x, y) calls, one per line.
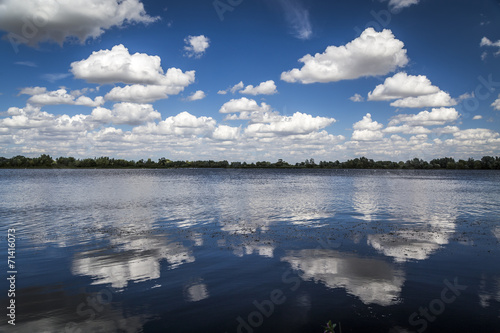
point(45, 161)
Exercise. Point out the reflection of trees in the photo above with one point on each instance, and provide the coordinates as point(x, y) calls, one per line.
point(372, 280)
point(133, 259)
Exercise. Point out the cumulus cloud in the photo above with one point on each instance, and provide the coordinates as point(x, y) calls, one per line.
point(410, 91)
point(138, 93)
point(237, 87)
point(435, 100)
point(367, 129)
point(487, 42)
point(446, 130)
point(196, 45)
point(197, 95)
point(31, 119)
point(298, 18)
point(477, 117)
point(407, 129)
point(183, 124)
point(243, 105)
point(57, 21)
point(298, 123)
point(40, 97)
point(367, 124)
point(371, 54)
point(144, 74)
point(264, 88)
point(496, 104)
point(126, 113)
point(119, 66)
point(357, 98)
point(474, 140)
point(425, 118)
point(476, 134)
point(402, 85)
point(226, 133)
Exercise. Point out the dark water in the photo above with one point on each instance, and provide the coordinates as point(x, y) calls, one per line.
point(252, 250)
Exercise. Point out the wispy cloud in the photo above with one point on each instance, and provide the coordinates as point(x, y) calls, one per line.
point(26, 63)
point(397, 5)
point(55, 76)
point(298, 18)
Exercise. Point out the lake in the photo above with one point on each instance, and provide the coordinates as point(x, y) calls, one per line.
point(213, 250)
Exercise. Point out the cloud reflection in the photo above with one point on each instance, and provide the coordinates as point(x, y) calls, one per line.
point(371, 280)
point(136, 259)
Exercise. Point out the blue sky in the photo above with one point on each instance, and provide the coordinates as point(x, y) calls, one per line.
point(250, 80)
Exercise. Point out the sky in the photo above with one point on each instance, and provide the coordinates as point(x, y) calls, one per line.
point(250, 80)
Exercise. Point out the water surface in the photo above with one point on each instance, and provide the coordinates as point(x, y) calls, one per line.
point(253, 250)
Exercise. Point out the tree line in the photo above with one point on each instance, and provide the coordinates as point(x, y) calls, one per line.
point(45, 161)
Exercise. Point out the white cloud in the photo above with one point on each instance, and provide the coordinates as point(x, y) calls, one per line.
point(237, 87)
point(435, 100)
point(196, 45)
point(402, 85)
point(298, 123)
point(226, 133)
point(183, 124)
point(264, 88)
point(126, 113)
point(40, 97)
point(407, 129)
point(373, 53)
point(366, 135)
point(496, 104)
point(138, 93)
point(197, 95)
point(262, 115)
point(397, 5)
point(232, 89)
point(465, 96)
point(143, 72)
point(59, 20)
point(425, 118)
point(298, 18)
point(33, 91)
point(367, 124)
point(243, 105)
point(118, 65)
point(446, 130)
point(476, 134)
point(487, 42)
point(28, 124)
point(410, 91)
point(367, 129)
point(357, 98)
point(477, 117)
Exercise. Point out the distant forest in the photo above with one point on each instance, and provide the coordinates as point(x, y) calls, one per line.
point(47, 162)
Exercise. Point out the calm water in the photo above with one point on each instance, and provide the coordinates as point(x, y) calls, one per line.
point(252, 250)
